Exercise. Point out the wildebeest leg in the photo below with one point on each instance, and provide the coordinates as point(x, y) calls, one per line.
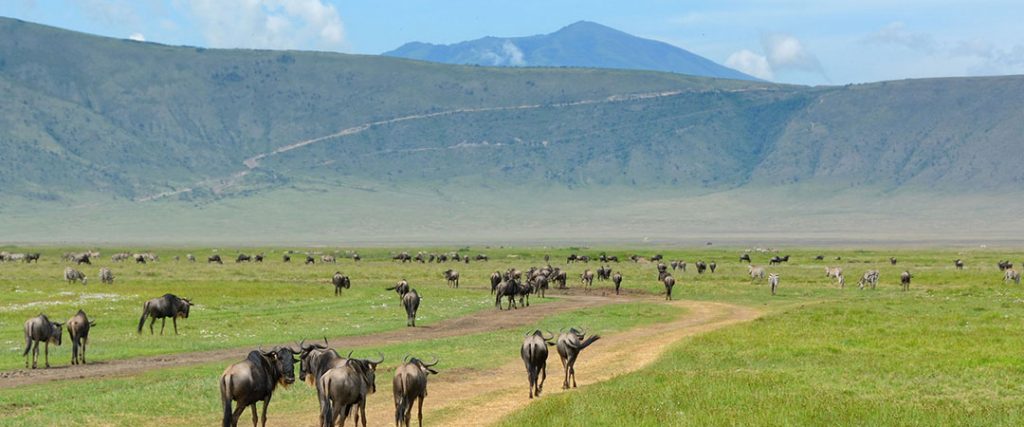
point(174, 320)
point(46, 353)
point(35, 355)
point(74, 350)
point(266, 403)
point(565, 370)
point(237, 414)
point(572, 372)
point(84, 342)
point(255, 418)
point(163, 322)
point(543, 376)
point(152, 320)
point(362, 411)
point(28, 348)
point(420, 416)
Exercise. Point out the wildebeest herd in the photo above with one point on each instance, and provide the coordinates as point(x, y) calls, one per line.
point(344, 383)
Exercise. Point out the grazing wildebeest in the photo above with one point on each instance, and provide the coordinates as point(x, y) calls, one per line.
point(356, 257)
point(81, 259)
point(870, 278)
point(617, 280)
point(72, 275)
point(162, 308)
point(400, 288)
point(959, 264)
point(1004, 265)
point(328, 258)
point(453, 278)
point(755, 272)
point(584, 258)
point(32, 257)
point(1011, 274)
point(905, 280)
point(657, 257)
point(41, 329)
point(411, 302)
point(139, 258)
point(495, 279)
point(571, 258)
point(190, 258)
point(587, 277)
point(613, 258)
point(745, 257)
point(819, 258)
point(712, 266)
point(892, 260)
point(106, 276)
point(669, 282)
point(410, 386)
point(775, 260)
point(481, 257)
point(346, 387)
point(701, 266)
point(773, 280)
point(255, 379)
point(535, 356)
point(310, 260)
point(569, 345)
point(258, 258)
point(286, 258)
point(403, 257)
point(243, 257)
point(78, 331)
point(214, 258)
point(340, 281)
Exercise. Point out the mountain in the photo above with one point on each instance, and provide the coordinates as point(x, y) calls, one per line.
point(583, 44)
point(114, 140)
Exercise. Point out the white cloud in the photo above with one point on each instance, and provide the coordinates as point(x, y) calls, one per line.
point(751, 63)
point(510, 54)
point(137, 37)
point(896, 33)
point(269, 24)
point(979, 57)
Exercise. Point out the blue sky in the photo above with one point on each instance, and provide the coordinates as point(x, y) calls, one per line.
point(806, 42)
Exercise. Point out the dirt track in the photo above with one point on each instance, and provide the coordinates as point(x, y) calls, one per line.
point(486, 320)
point(483, 398)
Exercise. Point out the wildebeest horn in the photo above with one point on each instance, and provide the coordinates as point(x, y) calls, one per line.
point(406, 358)
point(552, 336)
point(377, 361)
point(349, 355)
point(431, 363)
point(325, 343)
point(302, 345)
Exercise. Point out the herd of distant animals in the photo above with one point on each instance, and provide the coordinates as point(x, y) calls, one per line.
point(343, 383)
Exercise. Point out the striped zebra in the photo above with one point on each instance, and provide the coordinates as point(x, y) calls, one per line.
point(106, 276)
point(755, 272)
point(1011, 274)
point(773, 280)
point(870, 278)
point(72, 275)
point(328, 258)
point(120, 256)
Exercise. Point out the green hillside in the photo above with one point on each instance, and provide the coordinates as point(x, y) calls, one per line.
point(113, 139)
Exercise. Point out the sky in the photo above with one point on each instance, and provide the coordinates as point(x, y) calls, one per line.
point(802, 42)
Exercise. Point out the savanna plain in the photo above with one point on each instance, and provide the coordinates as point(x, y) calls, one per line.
point(723, 351)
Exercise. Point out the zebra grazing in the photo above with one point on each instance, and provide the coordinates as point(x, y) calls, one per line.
point(106, 276)
point(870, 278)
point(755, 272)
point(1011, 274)
point(836, 273)
point(72, 275)
point(773, 280)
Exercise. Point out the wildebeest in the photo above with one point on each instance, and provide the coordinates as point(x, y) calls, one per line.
point(540, 285)
point(506, 289)
point(411, 302)
point(310, 260)
point(120, 256)
point(243, 258)
point(569, 345)
point(340, 281)
point(1011, 274)
point(410, 386)
point(139, 258)
point(403, 257)
point(571, 258)
point(78, 331)
point(1004, 265)
point(819, 258)
point(41, 329)
point(669, 282)
point(657, 257)
point(106, 276)
point(315, 359)
point(755, 272)
point(617, 280)
point(214, 259)
point(258, 258)
point(253, 380)
point(480, 257)
point(346, 387)
point(745, 257)
point(535, 356)
point(604, 273)
point(959, 264)
point(72, 275)
point(870, 278)
point(32, 257)
point(905, 280)
point(560, 277)
point(190, 258)
point(587, 277)
point(286, 258)
point(712, 266)
point(328, 258)
point(453, 277)
point(162, 308)
point(892, 260)
point(400, 288)
point(701, 266)
point(773, 281)
point(356, 257)
point(495, 279)
point(661, 268)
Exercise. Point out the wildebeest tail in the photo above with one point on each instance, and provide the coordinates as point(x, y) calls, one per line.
point(28, 340)
point(142, 320)
point(586, 343)
point(225, 397)
point(325, 410)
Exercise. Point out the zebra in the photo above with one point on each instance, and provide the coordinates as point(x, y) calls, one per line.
point(870, 278)
point(72, 275)
point(773, 280)
point(1011, 274)
point(836, 273)
point(106, 276)
point(755, 272)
